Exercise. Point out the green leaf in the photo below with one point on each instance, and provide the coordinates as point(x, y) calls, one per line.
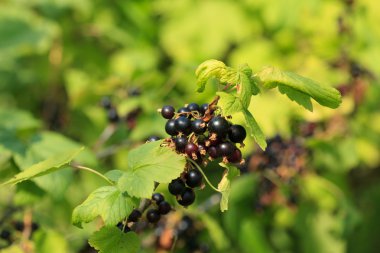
point(215, 230)
point(224, 185)
point(45, 167)
point(114, 175)
point(112, 240)
point(107, 202)
point(272, 77)
point(50, 241)
point(229, 103)
point(255, 129)
point(207, 70)
point(297, 96)
point(17, 120)
point(147, 164)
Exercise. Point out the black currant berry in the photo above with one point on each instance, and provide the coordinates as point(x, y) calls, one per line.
point(180, 143)
point(164, 207)
point(106, 103)
point(176, 186)
point(170, 127)
point(123, 228)
point(158, 198)
point(183, 110)
point(203, 108)
point(187, 197)
point(153, 215)
point(182, 124)
point(134, 216)
point(237, 133)
point(153, 138)
point(191, 148)
point(226, 148)
point(213, 152)
point(19, 225)
point(112, 115)
point(193, 178)
point(193, 107)
point(198, 126)
point(167, 111)
point(219, 126)
point(5, 234)
point(235, 157)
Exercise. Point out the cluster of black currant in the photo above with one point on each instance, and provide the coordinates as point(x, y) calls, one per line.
point(7, 235)
point(202, 135)
point(152, 215)
point(184, 232)
point(285, 161)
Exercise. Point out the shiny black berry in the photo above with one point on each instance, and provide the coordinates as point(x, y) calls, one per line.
point(164, 207)
point(213, 152)
point(193, 178)
point(193, 107)
point(203, 108)
point(167, 111)
point(123, 228)
point(187, 197)
point(112, 115)
point(176, 186)
point(180, 143)
point(237, 133)
point(198, 126)
point(158, 198)
point(134, 216)
point(235, 157)
point(5, 234)
point(153, 215)
point(170, 127)
point(183, 110)
point(219, 126)
point(226, 148)
point(191, 148)
point(182, 124)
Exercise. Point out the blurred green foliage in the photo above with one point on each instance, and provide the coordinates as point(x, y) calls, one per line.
point(59, 57)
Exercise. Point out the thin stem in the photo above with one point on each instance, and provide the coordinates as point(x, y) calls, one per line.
point(204, 175)
point(92, 171)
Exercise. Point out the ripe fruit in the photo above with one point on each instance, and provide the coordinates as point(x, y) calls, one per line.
point(164, 207)
point(157, 197)
point(123, 228)
point(191, 149)
point(187, 197)
point(153, 215)
point(183, 110)
point(182, 124)
point(180, 143)
point(5, 234)
point(134, 216)
point(193, 107)
point(226, 148)
point(106, 103)
point(167, 111)
point(235, 157)
point(213, 152)
point(194, 178)
point(203, 108)
point(112, 115)
point(170, 127)
point(198, 126)
point(219, 126)
point(237, 133)
point(176, 186)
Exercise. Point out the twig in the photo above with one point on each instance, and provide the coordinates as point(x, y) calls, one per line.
point(104, 136)
point(80, 167)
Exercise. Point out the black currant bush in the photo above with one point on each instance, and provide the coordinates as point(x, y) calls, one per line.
point(198, 136)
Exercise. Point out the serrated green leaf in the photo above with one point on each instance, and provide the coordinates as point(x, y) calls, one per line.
point(114, 175)
point(254, 129)
point(224, 185)
point(45, 167)
point(147, 164)
point(112, 240)
point(297, 96)
point(107, 202)
point(272, 77)
point(207, 70)
point(229, 103)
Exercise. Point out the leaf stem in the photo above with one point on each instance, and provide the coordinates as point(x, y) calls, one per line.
point(80, 167)
point(204, 175)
